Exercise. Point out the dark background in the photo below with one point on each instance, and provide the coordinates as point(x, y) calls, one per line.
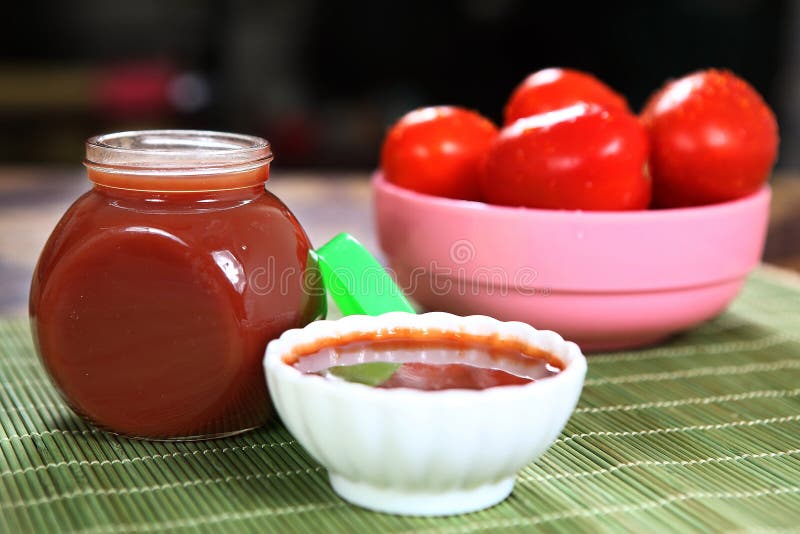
point(323, 80)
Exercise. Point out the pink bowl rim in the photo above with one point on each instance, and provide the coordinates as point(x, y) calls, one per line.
point(380, 182)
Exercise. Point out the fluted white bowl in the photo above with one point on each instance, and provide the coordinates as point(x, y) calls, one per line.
point(415, 452)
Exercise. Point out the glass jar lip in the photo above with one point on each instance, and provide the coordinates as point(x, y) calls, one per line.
point(187, 152)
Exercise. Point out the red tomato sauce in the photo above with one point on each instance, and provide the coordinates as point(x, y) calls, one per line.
point(151, 309)
point(433, 377)
point(433, 360)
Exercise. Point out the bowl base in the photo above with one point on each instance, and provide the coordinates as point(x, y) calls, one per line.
point(427, 503)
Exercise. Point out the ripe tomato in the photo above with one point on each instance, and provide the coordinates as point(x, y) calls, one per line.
point(580, 157)
point(439, 151)
point(554, 88)
point(713, 139)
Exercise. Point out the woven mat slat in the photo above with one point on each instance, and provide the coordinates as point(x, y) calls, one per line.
point(699, 434)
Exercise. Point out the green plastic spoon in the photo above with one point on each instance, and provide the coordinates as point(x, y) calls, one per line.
point(358, 284)
point(356, 281)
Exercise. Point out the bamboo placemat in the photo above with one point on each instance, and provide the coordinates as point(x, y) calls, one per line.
point(699, 434)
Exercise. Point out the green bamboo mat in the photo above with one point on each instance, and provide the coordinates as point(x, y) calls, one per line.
point(702, 433)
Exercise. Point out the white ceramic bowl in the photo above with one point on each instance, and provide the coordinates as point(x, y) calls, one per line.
point(416, 452)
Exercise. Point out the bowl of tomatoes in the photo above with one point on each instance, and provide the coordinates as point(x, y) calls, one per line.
point(577, 216)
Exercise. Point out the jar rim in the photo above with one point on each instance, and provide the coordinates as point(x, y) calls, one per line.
point(176, 151)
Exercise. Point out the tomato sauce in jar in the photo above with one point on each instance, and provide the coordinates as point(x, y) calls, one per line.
point(157, 292)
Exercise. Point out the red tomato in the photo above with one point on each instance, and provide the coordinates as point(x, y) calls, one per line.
point(582, 157)
point(554, 88)
point(713, 139)
point(439, 151)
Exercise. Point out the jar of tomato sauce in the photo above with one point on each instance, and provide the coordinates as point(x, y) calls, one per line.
point(157, 292)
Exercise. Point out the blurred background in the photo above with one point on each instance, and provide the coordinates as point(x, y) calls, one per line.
point(323, 80)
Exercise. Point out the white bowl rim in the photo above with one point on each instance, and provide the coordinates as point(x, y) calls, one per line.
point(573, 359)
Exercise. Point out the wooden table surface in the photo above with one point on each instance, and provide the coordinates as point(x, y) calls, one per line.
point(32, 199)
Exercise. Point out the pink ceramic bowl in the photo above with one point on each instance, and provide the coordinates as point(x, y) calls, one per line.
point(607, 280)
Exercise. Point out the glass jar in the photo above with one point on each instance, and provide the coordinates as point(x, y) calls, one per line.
point(157, 292)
